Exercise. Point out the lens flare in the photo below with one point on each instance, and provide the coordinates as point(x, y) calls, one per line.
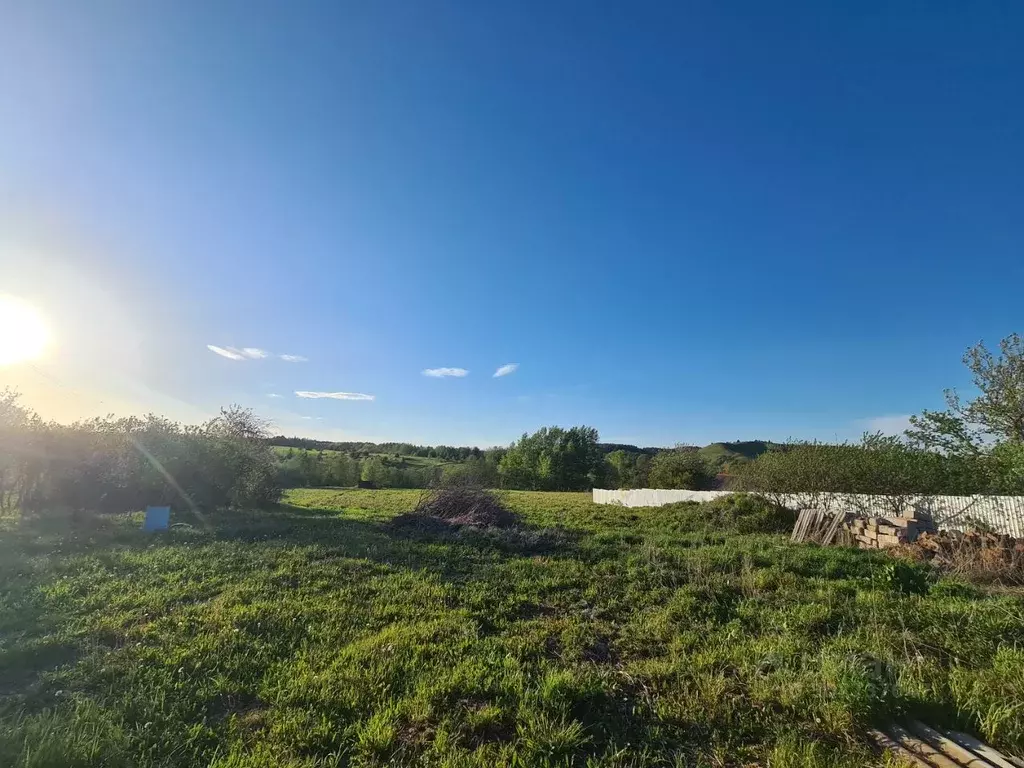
point(24, 334)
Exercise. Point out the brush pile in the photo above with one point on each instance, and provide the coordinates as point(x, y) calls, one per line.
point(976, 555)
point(457, 506)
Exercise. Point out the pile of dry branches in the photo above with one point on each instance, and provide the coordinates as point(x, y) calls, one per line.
point(976, 555)
point(460, 505)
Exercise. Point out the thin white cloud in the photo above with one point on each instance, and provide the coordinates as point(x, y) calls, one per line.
point(334, 395)
point(294, 358)
point(506, 369)
point(229, 352)
point(887, 425)
point(233, 353)
point(273, 394)
point(440, 373)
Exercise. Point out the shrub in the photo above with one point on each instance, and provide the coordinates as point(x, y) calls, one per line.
point(685, 469)
point(747, 513)
point(878, 466)
point(122, 465)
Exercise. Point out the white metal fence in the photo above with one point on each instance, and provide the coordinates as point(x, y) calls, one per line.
point(1004, 514)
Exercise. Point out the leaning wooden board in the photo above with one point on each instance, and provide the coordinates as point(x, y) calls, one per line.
point(919, 745)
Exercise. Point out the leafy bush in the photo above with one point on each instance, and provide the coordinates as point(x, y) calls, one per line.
point(878, 466)
point(681, 468)
point(119, 465)
point(747, 513)
point(735, 513)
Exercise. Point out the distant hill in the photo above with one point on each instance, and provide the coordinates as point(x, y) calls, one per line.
point(611, 447)
point(721, 454)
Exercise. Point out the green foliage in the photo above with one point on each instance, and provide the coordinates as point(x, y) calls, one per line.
point(883, 466)
point(745, 513)
point(1006, 467)
point(482, 470)
point(554, 459)
point(727, 457)
point(628, 469)
point(314, 634)
point(299, 467)
point(994, 416)
point(121, 465)
point(682, 468)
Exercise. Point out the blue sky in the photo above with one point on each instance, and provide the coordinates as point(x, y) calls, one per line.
point(685, 222)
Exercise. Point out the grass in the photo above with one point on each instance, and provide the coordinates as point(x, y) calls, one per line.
point(317, 635)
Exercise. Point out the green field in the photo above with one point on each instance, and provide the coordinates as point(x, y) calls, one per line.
point(318, 635)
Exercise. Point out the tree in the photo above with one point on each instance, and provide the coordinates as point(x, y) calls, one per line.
point(554, 459)
point(995, 416)
point(628, 468)
point(343, 470)
point(20, 429)
point(374, 471)
point(679, 468)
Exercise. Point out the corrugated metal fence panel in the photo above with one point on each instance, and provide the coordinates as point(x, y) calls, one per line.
point(1004, 514)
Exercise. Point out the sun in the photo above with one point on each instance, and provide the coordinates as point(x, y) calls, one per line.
point(24, 334)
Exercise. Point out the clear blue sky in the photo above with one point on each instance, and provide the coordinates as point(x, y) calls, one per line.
point(685, 222)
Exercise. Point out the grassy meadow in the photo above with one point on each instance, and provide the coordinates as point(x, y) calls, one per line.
point(316, 634)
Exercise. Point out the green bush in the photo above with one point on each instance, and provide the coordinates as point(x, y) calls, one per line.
point(681, 468)
point(120, 465)
point(746, 513)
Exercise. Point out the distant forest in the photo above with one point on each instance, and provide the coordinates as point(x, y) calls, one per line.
point(550, 459)
point(719, 453)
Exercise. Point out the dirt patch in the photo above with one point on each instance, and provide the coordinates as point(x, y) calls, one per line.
point(600, 652)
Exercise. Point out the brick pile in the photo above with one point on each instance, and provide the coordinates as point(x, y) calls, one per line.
point(883, 532)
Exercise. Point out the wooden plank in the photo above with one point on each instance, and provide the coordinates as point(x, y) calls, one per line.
point(993, 756)
point(922, 749)
point(802, 523)
point(948, 747)
point(888, 744)
point(837, 519)
point(796, 528)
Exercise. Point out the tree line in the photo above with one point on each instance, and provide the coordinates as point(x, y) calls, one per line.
point(365, 449)
point(974, 446)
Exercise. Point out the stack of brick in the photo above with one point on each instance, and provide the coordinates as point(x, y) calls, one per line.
point(882, 532)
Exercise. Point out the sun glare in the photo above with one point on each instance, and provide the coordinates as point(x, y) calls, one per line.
point(23, 332)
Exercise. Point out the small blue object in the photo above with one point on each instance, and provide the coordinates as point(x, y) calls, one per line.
point(157, 519)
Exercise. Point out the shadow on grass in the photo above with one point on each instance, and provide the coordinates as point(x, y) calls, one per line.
point(456, 549)
point(443, 547)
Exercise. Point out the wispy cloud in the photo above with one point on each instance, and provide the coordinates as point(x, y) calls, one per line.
point(887, 425)
point(273, 394)
point(252, 353)
point(233, 353)
point(440, 373)
point(334, 395)
point(229, 352)
point(506, 369)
